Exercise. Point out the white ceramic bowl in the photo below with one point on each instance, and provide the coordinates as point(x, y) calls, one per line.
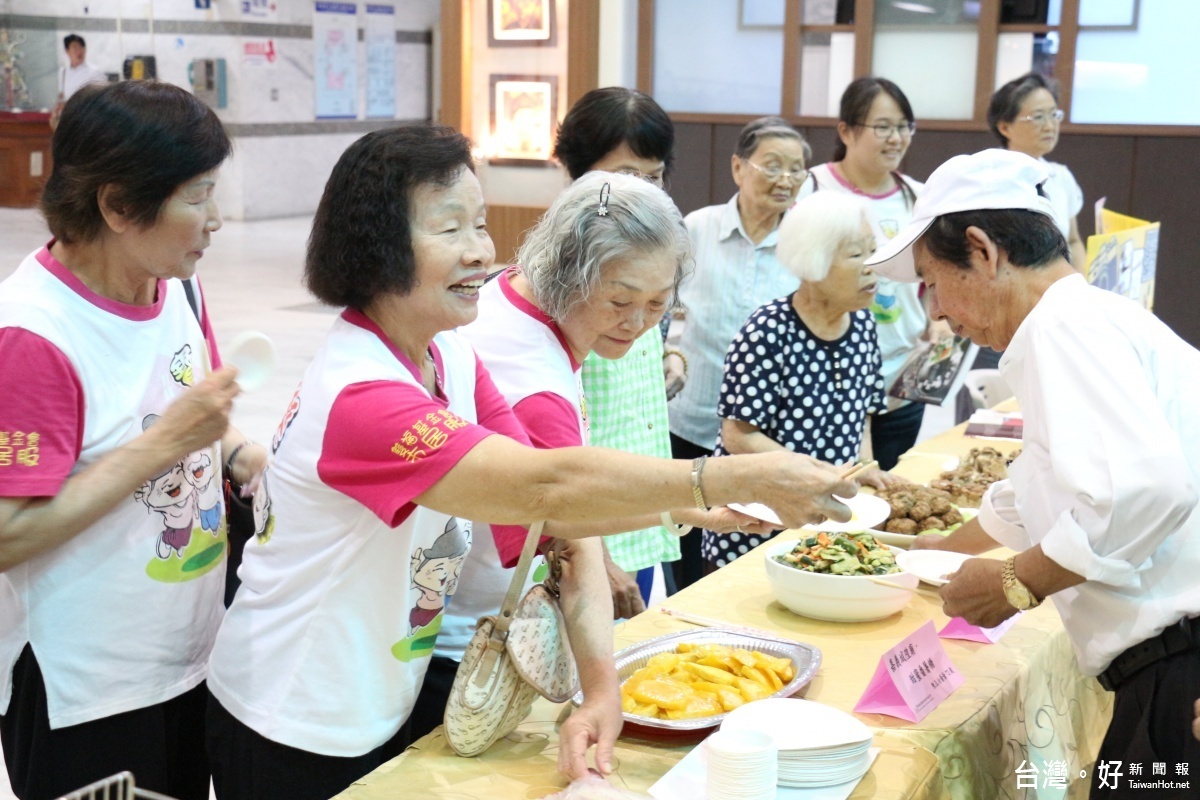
point(835, 598)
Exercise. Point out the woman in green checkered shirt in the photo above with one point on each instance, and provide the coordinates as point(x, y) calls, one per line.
point(622, 130)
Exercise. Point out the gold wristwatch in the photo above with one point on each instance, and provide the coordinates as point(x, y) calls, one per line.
point(1017, 593)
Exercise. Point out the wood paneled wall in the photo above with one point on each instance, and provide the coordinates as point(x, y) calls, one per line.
point(1151, 177)
point(507, 225)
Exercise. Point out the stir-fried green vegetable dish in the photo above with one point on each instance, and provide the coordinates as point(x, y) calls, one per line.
point(842, 554)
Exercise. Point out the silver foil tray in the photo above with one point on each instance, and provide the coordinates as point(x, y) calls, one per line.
point(805, 658)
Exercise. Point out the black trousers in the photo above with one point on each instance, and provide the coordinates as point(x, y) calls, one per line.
point(1152, 723)
point(430, 708)
point(690, 566)
point(893, 434)
point(248, 766)
point(162, 745)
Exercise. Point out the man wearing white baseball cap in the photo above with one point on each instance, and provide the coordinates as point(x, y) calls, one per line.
point(1101, 504)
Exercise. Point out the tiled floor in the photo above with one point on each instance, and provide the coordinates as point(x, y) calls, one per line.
point(252, 280)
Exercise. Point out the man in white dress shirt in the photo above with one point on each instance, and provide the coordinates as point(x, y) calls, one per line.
point(78, 73)
point(1101, 504)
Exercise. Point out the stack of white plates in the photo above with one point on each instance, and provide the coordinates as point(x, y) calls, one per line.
point(818, 745)
point(741, 765)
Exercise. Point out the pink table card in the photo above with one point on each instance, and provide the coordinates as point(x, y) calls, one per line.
point(959, 628)
point(912, 678)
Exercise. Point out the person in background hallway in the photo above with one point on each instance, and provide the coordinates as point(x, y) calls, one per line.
point(736, 272)
point(114, 410)
point(76, 74)
point(875, 128)
point(624, 131)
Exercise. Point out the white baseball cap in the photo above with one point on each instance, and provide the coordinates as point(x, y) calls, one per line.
point(990, 179)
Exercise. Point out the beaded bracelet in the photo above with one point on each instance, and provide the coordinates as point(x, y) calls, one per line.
point(682, 358)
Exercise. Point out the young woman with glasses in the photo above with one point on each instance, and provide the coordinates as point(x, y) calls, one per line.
point(875, 128)
point(1025, 117)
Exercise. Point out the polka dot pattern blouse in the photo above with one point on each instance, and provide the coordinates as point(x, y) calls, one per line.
point(810, 395)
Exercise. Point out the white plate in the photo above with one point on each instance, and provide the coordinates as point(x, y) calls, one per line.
point(866, 511)
point(797, 724)
point(931, 565)
point(903, 540)
point(254, 356)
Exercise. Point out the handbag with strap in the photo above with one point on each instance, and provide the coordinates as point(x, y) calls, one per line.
point(514, 656)
point(239, 513)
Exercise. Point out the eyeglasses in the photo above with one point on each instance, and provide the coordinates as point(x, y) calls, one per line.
point(657, 180)
point(774, 173)
point(1042, 117)
point(884, 130)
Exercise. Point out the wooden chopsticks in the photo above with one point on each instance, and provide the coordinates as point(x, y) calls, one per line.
point(857, 468)
point(917, 590)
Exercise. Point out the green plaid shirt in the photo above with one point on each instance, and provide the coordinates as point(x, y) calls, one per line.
point(627, 409)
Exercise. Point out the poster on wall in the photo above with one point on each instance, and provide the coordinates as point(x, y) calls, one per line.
point(522, 115)
point(335, 60)
point(380, 38)
point(258, 9)
point(521, 23)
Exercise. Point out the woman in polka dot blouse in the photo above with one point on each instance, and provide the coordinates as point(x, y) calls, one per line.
point(803, 373)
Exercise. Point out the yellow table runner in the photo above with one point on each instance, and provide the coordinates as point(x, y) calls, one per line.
point(1024, 700)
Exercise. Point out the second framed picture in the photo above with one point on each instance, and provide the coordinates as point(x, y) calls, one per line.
point(523, 112)
point(521, 23)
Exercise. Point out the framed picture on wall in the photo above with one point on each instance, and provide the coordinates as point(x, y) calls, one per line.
point(521, 23)
point(523, 119)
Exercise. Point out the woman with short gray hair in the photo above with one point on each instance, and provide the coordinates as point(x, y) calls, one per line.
point(562, 258)
point(803, 374)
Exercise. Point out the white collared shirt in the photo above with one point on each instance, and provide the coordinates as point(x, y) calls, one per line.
point(1107, 480)
point(1065, 196)
point(72, 79)
point(733, 277)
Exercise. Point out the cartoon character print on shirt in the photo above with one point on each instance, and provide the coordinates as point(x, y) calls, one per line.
point(187, 499)
point(433, 572)
point(289, 416)
point(181, 366)
point(264, 520)
point(885, 308)
point(201, 473)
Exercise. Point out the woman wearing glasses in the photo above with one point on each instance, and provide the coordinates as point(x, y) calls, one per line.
point(875, 128)
point(736, 272)
point(1025, 117)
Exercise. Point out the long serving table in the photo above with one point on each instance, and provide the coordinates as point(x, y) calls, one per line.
point(1024, 702)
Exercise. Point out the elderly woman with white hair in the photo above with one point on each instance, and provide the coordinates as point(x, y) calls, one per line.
point(803, 374)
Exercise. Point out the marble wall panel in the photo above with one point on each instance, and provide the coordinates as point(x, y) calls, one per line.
point(283, 176)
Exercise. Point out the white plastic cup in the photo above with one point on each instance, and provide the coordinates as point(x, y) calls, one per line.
point(254, 356)
point(741, 765)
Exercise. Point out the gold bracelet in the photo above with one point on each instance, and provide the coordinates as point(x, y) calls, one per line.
point(682, 358)
point(697, 492)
